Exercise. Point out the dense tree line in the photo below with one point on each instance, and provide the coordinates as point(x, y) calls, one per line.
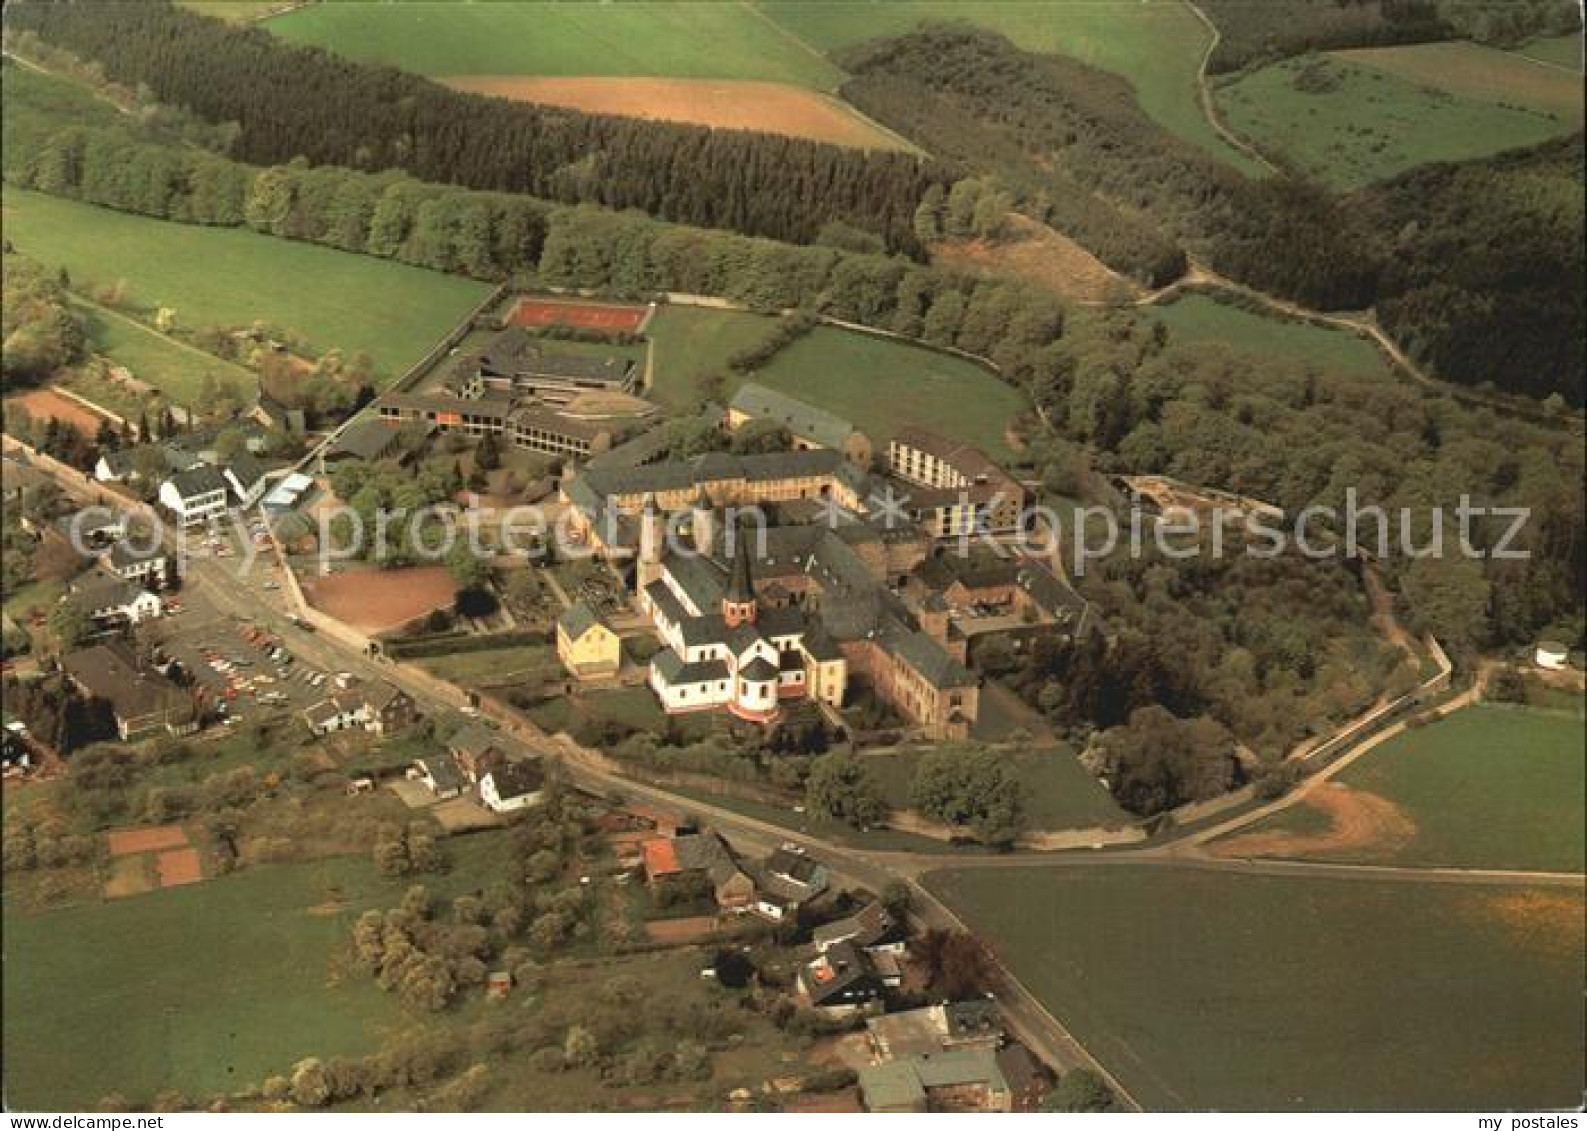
point(291, 101)
point(1483, 276)
point(40, 331)
point(1084, 156)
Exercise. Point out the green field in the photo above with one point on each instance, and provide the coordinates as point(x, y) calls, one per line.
point(1559, 51)
point(176, 371)
point(1230, 992)
point(1367, 115)
point(1490, 786)
point(879, 384)
point(206, 988)
point(1156, 44)
point(231, 277)
point(1202, 319)
point(496, 666)
point(686, 40)
point(1057, 793)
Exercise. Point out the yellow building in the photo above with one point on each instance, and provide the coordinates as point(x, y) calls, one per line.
point(586, 645)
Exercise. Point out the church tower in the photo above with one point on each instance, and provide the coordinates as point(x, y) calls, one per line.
point(739, 606)
point(651, 541)
point(702, 523)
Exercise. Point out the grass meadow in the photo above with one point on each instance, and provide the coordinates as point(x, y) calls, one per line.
point(206, 988)
point(232, 277)
point(1491, 786)
point(1204, 990)
point(879, 384)
point(1362, 116)
point(1201, 319)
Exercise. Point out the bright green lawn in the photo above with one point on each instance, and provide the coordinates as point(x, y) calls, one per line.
point(1198, 318)
point(206, 988)
point(1156, 44)
point(1560, 50)
point(1057, 793)
point(1490, 786)
point(879, 384)
point(1375, 123)
point(1203, 990)
point(673, 40)
point(177, 372)
point(231, 277)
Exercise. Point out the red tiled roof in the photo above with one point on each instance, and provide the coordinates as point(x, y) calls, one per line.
point(661, 857)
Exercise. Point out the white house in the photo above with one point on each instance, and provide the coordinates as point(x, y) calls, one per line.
point(111, 601)
point(1551, 656)
point(509, 786)
point(195, 496)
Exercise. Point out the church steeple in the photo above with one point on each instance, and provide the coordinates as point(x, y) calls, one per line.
point(739, 605)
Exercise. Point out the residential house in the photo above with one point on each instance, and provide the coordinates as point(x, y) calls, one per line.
point(475, 749)
point(247, 477)
point(870, 928)
point(511, 785)
point(90, 529)
point(842, 981)
point(378, 707)
point(789, 878)
point(936, 1028)
point(143, 701)
point(962, 1080)
point(586, 644)
point(111, 602)
point(195, 496)
point(440, 776)
point(672, 859)
point(151, 567)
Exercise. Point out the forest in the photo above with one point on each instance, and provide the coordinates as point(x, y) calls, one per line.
point(1255, 34)
point(1472, 266)
point(291, 102)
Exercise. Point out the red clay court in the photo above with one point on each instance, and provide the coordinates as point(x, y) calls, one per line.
point(585, 315)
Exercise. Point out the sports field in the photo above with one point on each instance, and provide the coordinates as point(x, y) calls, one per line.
point(878, 384)
point(614, 317)
point(1353, 117)
point(231, 277)
point(1198, 318)
point(206, 988)
point(379, 600)
point(1490, 786)
point(1204, 991)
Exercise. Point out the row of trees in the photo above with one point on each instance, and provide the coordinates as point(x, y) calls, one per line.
point(293, 101)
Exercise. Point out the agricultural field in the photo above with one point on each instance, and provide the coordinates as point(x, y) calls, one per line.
point(726, 104)
point(252, 992)
point(1200, 319)
point(1354, 117)
point(1057, 793)
point(1556, 51)
point(1204, 990)
point(441, 38)
point(334, 299)
point(1156, 44)
point(1491, 786)
point(879, 384)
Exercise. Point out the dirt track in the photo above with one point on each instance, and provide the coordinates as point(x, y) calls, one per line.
point(724, 103)
point(1359, 820)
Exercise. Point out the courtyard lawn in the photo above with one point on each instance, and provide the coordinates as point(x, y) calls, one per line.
point(1202, 991)
point(879, 384)
point(1156, 44)
point(691, 40)
point(231, 277)
point(1354, 117)
point(206, 989)
point(1057, 791)
point(1491, 786)
point(1201, 319)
